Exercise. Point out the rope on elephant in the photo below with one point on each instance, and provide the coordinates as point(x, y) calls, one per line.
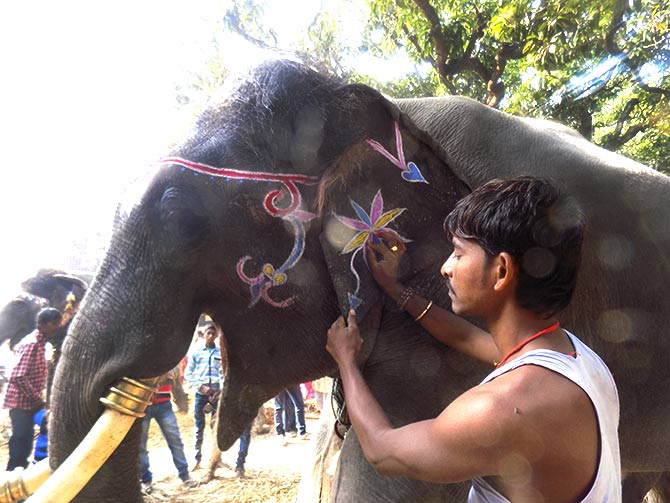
point(339, 405)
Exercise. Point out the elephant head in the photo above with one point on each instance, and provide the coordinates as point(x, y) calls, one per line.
point(48, 288)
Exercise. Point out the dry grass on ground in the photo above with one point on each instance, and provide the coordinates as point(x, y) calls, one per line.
point(273, 466)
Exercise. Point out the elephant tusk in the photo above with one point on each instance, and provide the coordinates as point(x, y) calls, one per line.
point(125, 402)
point(19, 484)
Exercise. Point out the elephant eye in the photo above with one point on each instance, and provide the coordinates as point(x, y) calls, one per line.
point(182, 217)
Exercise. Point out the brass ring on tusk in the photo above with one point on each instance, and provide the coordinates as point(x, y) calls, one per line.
point(125, 402)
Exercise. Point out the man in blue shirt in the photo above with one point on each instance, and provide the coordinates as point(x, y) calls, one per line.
point(203, 372)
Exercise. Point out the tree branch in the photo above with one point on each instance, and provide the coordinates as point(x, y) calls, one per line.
point(620, 9)
point(415, 42)
point(232, 20)
point(495, 86)
point(436, 34)
point(615, 142)
point(477, 34)
point(616, 139)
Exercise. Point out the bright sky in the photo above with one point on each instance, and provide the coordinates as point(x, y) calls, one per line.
point(87, 99)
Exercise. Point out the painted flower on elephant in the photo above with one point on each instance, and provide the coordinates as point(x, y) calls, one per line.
point(371, 228)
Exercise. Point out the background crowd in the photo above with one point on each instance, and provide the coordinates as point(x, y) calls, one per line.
point(198, 378)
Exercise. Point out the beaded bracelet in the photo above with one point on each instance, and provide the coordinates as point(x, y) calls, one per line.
point(406, 294)
point(430, 304)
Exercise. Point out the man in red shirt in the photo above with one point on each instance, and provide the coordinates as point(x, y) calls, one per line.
point(169, 387)
point(26, 386)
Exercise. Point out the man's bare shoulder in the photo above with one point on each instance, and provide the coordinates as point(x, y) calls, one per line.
point(521, 404)
point(534, 389)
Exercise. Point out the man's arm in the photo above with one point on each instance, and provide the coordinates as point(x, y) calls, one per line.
point(27, 373)
point(190, 369)
point(446, 327)
point(451, 448)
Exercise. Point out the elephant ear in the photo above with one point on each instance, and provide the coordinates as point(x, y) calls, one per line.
point(391, 180)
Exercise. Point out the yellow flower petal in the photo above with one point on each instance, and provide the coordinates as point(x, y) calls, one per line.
point(356, 242)
point(387, 218)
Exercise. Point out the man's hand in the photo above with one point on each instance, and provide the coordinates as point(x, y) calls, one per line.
point(344, 340)
point(181, 402)
point(385, 269)
point(214, 398)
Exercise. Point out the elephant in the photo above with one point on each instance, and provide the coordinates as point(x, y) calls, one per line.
point(258, 218)
point(48, 288)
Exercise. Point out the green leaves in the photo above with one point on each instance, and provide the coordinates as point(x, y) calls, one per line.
point(550, 58)
point(600, 66)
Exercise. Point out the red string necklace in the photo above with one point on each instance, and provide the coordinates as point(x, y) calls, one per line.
point(526, 341)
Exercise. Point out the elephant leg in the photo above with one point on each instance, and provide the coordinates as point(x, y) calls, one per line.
point(357, 482)
point(637, 485)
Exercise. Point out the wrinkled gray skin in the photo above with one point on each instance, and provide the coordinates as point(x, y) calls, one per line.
point(174, 254)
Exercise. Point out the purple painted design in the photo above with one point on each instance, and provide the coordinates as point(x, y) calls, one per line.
point(410, 171)
point(269, 277)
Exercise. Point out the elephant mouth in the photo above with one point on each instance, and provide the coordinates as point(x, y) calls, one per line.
point(125, 402)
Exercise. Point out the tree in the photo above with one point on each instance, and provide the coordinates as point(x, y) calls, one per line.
point(599, 66)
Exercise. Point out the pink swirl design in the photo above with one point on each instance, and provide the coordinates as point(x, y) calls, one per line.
point(269, 277)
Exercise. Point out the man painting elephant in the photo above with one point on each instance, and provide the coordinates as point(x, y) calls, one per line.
point(543, 425)
point(259, 217)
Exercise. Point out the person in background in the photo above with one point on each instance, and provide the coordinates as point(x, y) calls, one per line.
point(169, 387)
point(203, 372)
point(321, 389)
point(550, 408)
point(26, 387)
point(284, 416)
point(215, 456)
point(290, 398)
point(41, 420)
point(245, 437)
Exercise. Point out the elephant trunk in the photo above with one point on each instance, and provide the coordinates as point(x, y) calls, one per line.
point(125, 403)
point(82, 377)
point(237, 408)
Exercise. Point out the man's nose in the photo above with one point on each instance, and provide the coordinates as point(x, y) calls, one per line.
point(446, 268)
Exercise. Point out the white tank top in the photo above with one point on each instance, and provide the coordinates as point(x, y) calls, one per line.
point(591, 374)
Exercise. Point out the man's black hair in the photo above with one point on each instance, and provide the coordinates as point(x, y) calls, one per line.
point(47, 315)
point(537, 224)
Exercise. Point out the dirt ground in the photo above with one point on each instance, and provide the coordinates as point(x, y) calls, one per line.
point(272, 468)
point(273, 465)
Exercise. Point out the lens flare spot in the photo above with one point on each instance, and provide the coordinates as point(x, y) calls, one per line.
point(615, 326)
point(615, 251)
point(515, 470)
point(338, 234)
point(538, 262)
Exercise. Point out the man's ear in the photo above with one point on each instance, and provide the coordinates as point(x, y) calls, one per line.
point(505, 270)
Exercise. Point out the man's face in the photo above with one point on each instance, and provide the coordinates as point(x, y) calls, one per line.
point(49, 329)
point(210, 336)
point(468, 270)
